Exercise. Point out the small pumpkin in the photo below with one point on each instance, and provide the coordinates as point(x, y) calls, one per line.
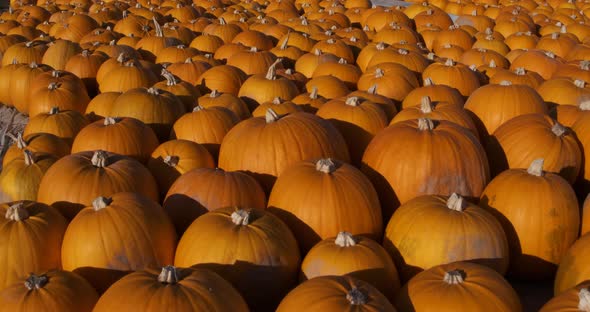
point(63, 124)
point(20, 178)
point(227, 100)
point(436, 93)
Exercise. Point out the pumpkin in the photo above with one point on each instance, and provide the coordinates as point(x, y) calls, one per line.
point(431, 230)
point(328, 86)
point(525, 138)
point(489, 113)
point(436, 93)
point(185, 202)
point(264, 88)
point(437, 111)
point(186, 92)
point(42, 143)
point(310, 101)
point(259, 145)
point(179, 289)
point(68, 185)
point(358, 121)
point(101, 105)
point(124, 136)
point(36, 232)
point(453, 74)
point(156, 108)
point(280, 106)
point(206, 126)
point(20, 178)
point(223, 78)
point(63, 124)
point(573, 299)
point(391, 80)
point(457, 165)
point(325, 179)
point(151, 46)
point(146, 242)
point(531, 59)
point(572, 269)
point(227, 100)
point(60, 290)
point(252, 61)
point(217, 241)
point(24, 53)
point(522, 215)
point(580, 128)
point(518, 76)
point(85, 65)
point(175, 157)
point(355, 256)
point(23, 78)
point(335, 293)
point(466, 287)
point(175, 54)
point(59, 52)
point(59, 95)
point(564, 91)
point(127, 76)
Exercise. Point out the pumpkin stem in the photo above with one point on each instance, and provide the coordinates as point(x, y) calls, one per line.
point(372, 89)
point(356, 297)
point(345, 239)
point(584, 303)
point(454, 277)
point(198, 108)
point(158, 28)
point(425, 124)
point(352, 101)
point(493, 64)
point(20, 143)
point(54, 110)
point(53, 85)
point(379, 73)
point(584, 105)
point(380, 46)
point(449, 62)
point(580, 83)
point(505, 83)
point(171, 160)
point(426, 106)
point(169, 275)
point(36, 281)
point(317, 52)
point(520, 71)
point(428, 82)
point(214, 93)
point(271, 74)
point(285, 42)
point(240, 216)
point(271, 116)
point(29, 157)
point(153, 91)
point(170, 79)
point(585, 65)
point(325, 165)
point(536, 167)
point(108, 121)
point(99, 159)
point(314, 93)
point(558, 129)
point(17, 212)
point(456, 202)
point(101, 203)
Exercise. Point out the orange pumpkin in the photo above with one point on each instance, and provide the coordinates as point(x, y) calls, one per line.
point(75, 180)
point(223, 78)
point(467, 286)
point(572, 269)
point(436, 93)
point(178, 289)
point(42, 143)
point(102, 235)
point(522, 215)
point(573, 299)
point(60, 290)
point(259, 88)
point(454, 75)
point(355, 256)
point(227, 100)
point(335, 293)
point(36, 232)
point(20, 178)
point(63, 124)
point(214, 241)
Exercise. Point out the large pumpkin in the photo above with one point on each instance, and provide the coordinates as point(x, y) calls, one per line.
point(125, 136)
point(124, 232)
point(266, 146)
point(466, 287)
point(74, 181)
point(20, 178)
point(59, 290)
point(455, 162)
point(172, 289)
point(335, 293)
point(36, 232)
point(525, 138)
point(336, 196)
point(537, 243)
point(573, 299)
point(175, 157)
point(206, 189)
point(355, 256)
point(431, 230)
point(454, 75)
point(247, 247)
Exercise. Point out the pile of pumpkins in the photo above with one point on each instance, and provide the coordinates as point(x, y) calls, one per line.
point(280, 155)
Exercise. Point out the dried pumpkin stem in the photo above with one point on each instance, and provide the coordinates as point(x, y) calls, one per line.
point(325, 165)
point(169, 275)
point(171, 160)
point(356, 297)
point(425, 124)
point(285, 42)
point(428, 82)
point(214, 93)
point(101, 203)
point(54, 110)
point(198, 108)
point(558, 129)
point(271, 116)
point(158, 28)
point(536, 167)
point(108, 121)
point(345, 239)
point(53, 85)
point(584, 105)
point(36, 281)
point(580, 83)
point(99, 159)
point(17, 212)
point(584, 300)
point(426, 106)
point(170, 79)
point(314, 93)
point(505, 83)
point(271, 74)
point(353, 101)
point(456, 202)
point(454, 277)
point(29, 157)
point(240, 217)
point(379, 73)
point(372, 89)
point(520, 71)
